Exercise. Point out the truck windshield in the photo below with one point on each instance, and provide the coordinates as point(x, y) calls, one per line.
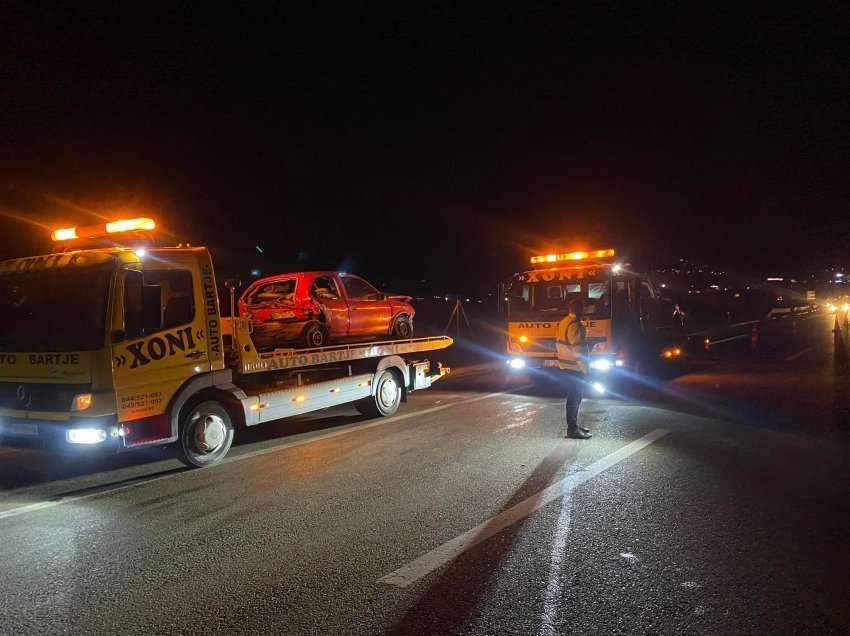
point(57, 309)
point(551, 300)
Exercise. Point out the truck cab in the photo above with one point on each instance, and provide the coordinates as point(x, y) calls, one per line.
point(628, 323)
point(94, 342)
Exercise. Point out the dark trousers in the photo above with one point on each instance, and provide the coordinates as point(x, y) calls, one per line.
point(575, 385)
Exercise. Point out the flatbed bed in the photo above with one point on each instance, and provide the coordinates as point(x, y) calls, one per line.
point(285, 359)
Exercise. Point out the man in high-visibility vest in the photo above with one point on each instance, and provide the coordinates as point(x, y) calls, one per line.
point(572, 358)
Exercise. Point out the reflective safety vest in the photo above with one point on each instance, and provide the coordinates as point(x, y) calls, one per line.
point(571, 344)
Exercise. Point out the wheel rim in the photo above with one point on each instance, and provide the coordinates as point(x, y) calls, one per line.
point(317, 338)
point(210, 433)
point(403, 328)
point(388, 393)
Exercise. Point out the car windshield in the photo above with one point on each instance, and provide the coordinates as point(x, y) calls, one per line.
point(57, 309)
point(551, 300)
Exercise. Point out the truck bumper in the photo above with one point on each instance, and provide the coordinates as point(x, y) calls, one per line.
point(77, 434)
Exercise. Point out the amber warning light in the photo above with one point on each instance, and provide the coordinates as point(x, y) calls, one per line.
point(572, 256)
point(142, 224)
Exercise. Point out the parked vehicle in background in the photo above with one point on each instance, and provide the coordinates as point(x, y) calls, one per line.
point(310, 309)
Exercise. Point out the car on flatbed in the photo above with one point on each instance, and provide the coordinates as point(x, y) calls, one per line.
point(313, 309)
point(113, 342)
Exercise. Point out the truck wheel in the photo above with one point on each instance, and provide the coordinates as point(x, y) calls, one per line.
point(315, 335)
point(386, 399)
point(206, 433)
point(403, 328)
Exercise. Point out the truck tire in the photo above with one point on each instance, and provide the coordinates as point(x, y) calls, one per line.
point(402, 327)
point(315, 335)
point(386, 399)
point(206, 434)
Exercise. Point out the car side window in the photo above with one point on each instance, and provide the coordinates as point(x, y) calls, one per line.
point(282, 291)
point(178, 300)
point(324, 288)
point(359, 289)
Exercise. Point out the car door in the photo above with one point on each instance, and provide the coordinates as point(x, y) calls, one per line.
point(370, 310)
point(325, 292)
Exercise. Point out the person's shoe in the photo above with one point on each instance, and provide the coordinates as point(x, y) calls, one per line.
point(576, 425)
point(578, 433)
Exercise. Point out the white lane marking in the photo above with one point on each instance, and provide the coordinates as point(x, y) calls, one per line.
point(799, 354)
point(439, 556)
point(553, 601)
point(42, 505)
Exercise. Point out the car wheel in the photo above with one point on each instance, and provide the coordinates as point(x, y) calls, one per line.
point(403, 328)
point(315, 335)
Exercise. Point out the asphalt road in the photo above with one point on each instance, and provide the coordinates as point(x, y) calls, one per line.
point(714, 503)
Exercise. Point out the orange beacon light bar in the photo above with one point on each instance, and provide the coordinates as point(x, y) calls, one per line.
point(572, 256)
point(140, 224)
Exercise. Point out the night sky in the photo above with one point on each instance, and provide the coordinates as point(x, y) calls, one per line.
point(434, 143)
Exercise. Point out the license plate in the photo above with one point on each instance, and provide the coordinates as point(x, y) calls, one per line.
point(19, 429)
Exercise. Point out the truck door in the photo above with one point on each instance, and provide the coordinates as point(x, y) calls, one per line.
point(370, 310)
point(166, 337)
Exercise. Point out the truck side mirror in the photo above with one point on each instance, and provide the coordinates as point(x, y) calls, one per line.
point(151, 308)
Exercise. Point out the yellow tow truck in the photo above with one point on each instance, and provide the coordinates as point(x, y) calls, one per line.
point(113, 342)
point(629, 325)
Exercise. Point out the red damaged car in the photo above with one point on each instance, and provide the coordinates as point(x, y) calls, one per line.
point(312, 308)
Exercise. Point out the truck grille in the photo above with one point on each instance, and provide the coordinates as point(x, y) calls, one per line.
point(39, 397)
point(539, 345)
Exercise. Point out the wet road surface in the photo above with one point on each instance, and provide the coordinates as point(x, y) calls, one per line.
point(716, 502)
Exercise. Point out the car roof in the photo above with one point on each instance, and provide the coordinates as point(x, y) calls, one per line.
point(274, 277)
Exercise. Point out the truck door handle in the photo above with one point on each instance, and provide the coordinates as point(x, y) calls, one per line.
point(195, 354)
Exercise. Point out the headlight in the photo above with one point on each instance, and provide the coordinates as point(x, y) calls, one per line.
point(602, 364)
point(516, 363)
point(523, 339)
point(86, 435)
point(599, 388)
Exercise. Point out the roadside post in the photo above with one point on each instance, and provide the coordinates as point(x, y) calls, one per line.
point(840, 349)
